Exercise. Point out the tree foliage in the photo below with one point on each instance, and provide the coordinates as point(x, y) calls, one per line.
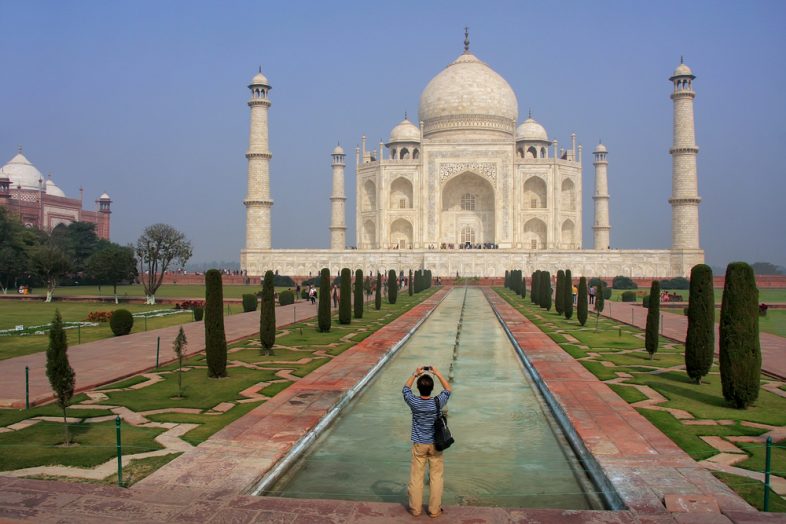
point(410, 286)
point(766, 268)
point(323, 310)
point(50, 262)
point(159, 246)
point(545, 281)
point(358, 298)
point(112, 264)
point(392, 287)
point(567, 302)
point(653, 320)
point(582, 302)
point(523, 286)
point(179, 347)
point(378, 292)
point(267, 315)
point(700, 338)
point(559, 295)
point(14, 260)
point(215, 338)
point(58, 370)
point(535, 293)
point(740, 351)
point(345, 299)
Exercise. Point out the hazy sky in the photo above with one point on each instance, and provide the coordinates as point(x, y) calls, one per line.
point(147, 101)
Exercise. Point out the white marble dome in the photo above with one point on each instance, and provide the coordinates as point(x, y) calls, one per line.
point(259, 80)
point(53, 190)
point(104, 196)
point(600, 148)
point(338, 150)
point(405, 131)
point(468, 87)
point(682, 70)
point(530, 130)
point(21, 172)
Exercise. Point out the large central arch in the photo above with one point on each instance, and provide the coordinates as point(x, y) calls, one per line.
point(467, 204)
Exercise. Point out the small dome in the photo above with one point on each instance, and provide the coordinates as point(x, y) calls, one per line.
point(52, 189)
point(22, 173)
point(531, 130)
point(104, 196)
point(338, 150)
point(405, 131)
point(600, 148)
point(682, 70)
point(259, 80)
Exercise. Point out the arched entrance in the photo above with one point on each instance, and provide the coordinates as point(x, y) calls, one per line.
point(401, 233)
point(467, 210)
point(535, 234)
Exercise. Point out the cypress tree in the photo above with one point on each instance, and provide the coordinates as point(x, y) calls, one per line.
point(392, 287)
point(378, 295)
point(323, 309)
point(567, 303)
point(740, 351)
point(559, 295)
point(58, 370)
point(267, 315)
point(700, 339)
point(581, 302)
point(409, 283)
point(507, 279)
point(523, 287)
point(215, 339)
point(600, 303)
point(653, 320)
point(345, 300)
point(358, 293)
point(533, 295)
point(546, 291)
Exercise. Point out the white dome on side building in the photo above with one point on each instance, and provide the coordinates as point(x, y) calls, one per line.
point(21, 172)
point(468, 96)
point(53, 190)
point(405, 131)
point(530, 130)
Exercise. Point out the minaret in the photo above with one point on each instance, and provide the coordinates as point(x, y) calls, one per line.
point(602, 227)
point(258, 201)
point(684, 183)
point(338, 228)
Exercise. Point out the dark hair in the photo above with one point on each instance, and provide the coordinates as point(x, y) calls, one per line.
point(425, 385)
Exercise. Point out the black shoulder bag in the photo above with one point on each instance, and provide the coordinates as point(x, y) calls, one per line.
point(442, 437)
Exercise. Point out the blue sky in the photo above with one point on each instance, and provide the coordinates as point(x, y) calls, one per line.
point(147, 101)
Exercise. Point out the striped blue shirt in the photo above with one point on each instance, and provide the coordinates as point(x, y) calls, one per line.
point(424, 414)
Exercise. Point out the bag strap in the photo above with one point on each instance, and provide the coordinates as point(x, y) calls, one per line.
point(439, 408)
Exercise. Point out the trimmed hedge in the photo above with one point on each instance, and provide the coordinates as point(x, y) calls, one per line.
point(287, 297)
point(629, 296)
point(378, 294)
point(215, 337)
point(121, 322)
point(567, 302)
point(653, 320)
point(358, 312)
point(740, 350)
point(559, 294)
point(267, 315)
point(323, 309)
point(392, 287)
point(249, 302)
point(345, 299)
point(700, 339)
point(582, 302)
point(621, 282)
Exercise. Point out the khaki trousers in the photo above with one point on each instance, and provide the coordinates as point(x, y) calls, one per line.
point(422, 454)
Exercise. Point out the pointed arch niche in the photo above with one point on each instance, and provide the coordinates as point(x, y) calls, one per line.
point(369, 234)
point(534, 236)
point(401, 233)
point(535, 193)
point(568, 234)
point(467, 200)
point(369, 202)
point(401, 194)
point(568, 195)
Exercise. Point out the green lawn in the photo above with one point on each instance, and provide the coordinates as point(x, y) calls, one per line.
point(40, 445)
point(774, 322)
point(765, 294)
point(165, 291)
point(37, 445)
point(752, 491)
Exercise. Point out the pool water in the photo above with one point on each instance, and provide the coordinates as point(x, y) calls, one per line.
point(508, 451)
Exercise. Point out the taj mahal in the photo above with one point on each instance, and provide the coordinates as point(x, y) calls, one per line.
point(466, 191)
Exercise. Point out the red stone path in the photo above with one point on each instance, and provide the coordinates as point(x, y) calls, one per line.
point(104, 361)
point(675, 326)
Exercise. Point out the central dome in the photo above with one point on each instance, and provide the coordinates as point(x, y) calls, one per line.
point(468, 95)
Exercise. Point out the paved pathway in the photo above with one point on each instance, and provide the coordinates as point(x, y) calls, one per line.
point(674, 326)
point(104, 361)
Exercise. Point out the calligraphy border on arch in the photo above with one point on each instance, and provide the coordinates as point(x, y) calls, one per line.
point(487, 169)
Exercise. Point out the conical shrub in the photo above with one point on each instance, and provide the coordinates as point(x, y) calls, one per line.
point(700, 339)
point(215, 338)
